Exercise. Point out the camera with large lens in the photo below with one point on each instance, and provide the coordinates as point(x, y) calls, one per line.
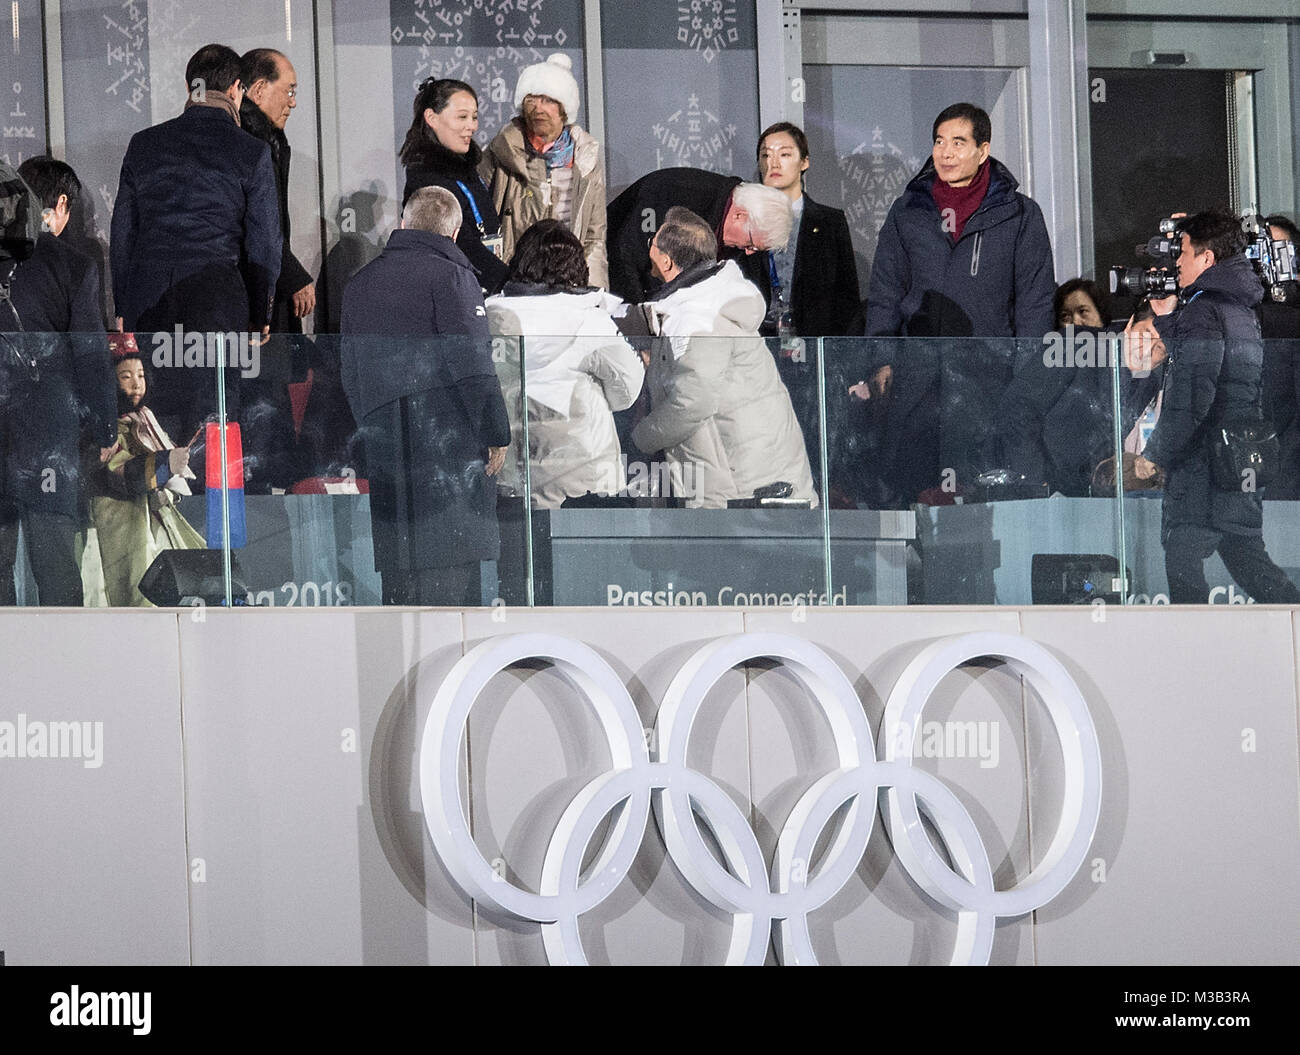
point(1273, 258)
point(1158, 281)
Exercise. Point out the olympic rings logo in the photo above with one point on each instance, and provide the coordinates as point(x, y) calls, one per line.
point(642, 781)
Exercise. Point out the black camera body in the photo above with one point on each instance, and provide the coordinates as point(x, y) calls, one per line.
point(1159, 281)
point(1274, 259)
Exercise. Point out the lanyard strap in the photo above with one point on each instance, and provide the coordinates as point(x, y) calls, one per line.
point(773, 277)
point(478, 218)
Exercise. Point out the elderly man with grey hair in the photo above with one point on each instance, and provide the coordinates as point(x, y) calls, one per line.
point(747, 219)
point(719, 411)
point(431, 413)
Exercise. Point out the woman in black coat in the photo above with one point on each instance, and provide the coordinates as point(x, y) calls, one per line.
point(440, 151)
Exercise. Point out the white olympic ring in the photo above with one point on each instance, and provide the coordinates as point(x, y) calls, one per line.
point(641, 780)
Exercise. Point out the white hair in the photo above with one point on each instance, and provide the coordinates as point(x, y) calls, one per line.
point(770, 215)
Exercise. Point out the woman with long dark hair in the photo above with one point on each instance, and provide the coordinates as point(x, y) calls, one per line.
point(440, 151)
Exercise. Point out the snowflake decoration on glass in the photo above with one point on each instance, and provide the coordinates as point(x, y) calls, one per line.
point(708, 26)
point(695, 137)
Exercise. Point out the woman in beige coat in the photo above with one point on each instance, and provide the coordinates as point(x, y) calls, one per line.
point(543, 166)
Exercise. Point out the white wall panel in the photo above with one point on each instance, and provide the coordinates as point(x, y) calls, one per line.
point(315, 853)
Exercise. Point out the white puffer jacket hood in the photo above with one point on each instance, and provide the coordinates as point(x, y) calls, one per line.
point(578, 369)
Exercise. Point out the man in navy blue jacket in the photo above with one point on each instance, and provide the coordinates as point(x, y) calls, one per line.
point(431, 412)
point(196, 231)
point(1211, 378)
point(961, 254)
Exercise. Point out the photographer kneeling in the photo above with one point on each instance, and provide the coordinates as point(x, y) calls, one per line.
point(1211, 389)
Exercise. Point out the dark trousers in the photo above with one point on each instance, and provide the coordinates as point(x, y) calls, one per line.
point(455, 587)
point(213, 300)
point(911, 421)
point(1245, 557)
point(54, 554)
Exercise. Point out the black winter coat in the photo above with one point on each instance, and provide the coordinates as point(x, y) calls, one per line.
point(1055, 421)
point(1212, 376)
point(1281, 326)
point(997, 280)
point(436, 166)
point(196, 194)
point(51, 382)
point(429, 409)
point(825, 296)
point(645, 203)
point(293, 276)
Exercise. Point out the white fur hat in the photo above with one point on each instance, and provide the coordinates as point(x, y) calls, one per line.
point(552, 77)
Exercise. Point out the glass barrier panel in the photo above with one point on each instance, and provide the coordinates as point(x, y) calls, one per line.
point(318, 509)
point(396, 497)
point(295, 483)
point(1219, 521)
point(181, 392)
point(974, 469)
point(57, 414)
point(982, 473)
point(669, 473)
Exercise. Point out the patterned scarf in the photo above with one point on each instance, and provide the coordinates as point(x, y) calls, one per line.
point(558, 155)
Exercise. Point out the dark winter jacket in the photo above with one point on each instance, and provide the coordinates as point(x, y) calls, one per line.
point(1212, 376)
point(825, 296)
point(436, 166)
point(196, 194)
point(1055, 420)
point(429, 409)
point(1281, 326)
point(54, 378)
point(645, 203)
point(293, 276)
point(997, 280)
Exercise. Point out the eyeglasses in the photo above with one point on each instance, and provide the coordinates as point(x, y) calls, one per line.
point(751, 246)
point(291, 92)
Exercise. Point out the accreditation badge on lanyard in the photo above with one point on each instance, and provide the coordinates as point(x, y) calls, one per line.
point(494, 243)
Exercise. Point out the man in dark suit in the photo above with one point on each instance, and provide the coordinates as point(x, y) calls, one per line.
point(431, 412)
point(55, 377)
point(271, 93)
point(196, 232)
point(282, 454)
